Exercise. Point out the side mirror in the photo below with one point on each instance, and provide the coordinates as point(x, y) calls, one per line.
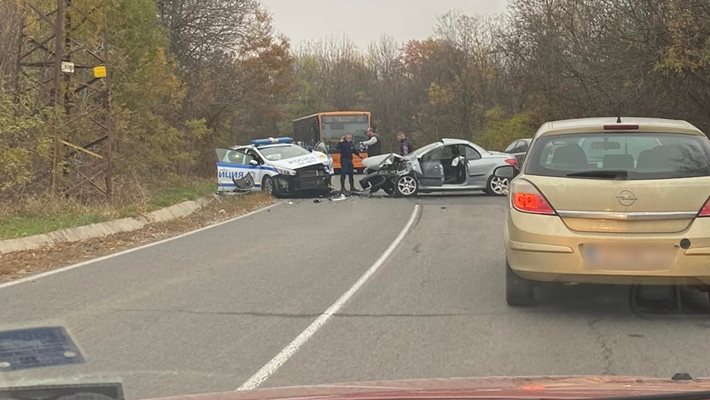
point(505, 171)
point(254, 162)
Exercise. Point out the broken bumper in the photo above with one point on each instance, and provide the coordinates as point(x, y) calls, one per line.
point(305, 181)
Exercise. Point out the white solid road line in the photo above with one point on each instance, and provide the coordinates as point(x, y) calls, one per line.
point(280, 359)
point(32, 278)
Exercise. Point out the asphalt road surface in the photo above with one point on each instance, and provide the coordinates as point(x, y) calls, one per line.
point(208, 311)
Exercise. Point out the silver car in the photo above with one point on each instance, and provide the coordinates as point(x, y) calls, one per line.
point(518, 148)
point(449, 165)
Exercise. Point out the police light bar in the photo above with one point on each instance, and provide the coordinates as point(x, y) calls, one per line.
point(279, 140)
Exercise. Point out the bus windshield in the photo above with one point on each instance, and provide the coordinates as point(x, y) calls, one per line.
point(336, 126)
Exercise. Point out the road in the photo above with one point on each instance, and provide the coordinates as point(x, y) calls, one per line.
point(207, 311)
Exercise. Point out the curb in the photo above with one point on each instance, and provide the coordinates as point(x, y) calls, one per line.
point(102, 229)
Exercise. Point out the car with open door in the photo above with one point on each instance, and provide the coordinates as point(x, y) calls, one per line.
point(611, 201)
point(448, 165)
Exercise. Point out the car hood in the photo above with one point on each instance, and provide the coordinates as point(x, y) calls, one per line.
point(301, 161)
point(377, 162)
point(470, 388)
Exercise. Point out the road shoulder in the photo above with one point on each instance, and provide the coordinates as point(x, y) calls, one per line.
point(20, 264)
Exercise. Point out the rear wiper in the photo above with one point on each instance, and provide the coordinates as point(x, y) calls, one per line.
point(601, 173)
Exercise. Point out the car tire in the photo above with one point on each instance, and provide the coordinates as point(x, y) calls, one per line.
point(497, 186)
point(374, 183)
point(406, 186)
point(267, 185)
point(388, 187)
point(518, 291)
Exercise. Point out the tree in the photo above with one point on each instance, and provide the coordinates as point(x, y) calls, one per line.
point(204, 30)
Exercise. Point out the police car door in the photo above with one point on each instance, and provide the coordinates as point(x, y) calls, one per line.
point(257, 167)
point(231, 165)
point(322, 147)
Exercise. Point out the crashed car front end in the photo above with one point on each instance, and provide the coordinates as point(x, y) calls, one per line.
point(311, 178)
point(381, 171)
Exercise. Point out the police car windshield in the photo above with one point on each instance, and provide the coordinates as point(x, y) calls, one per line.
point(276, 153)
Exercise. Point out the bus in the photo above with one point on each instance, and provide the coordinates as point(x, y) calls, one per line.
point(322, 131)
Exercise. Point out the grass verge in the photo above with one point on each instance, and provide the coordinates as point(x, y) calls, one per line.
point(169, 196)
point(28, 225)
point(36, 215)
point(22, 263)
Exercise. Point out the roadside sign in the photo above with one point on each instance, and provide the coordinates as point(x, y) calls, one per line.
point(100, 71)
point(67, 67)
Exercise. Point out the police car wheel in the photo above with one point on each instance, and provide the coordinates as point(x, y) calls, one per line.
point(267, 185)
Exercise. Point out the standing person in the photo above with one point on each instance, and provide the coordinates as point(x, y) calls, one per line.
point(405, 145)
point(346, 147)
point(372, 143)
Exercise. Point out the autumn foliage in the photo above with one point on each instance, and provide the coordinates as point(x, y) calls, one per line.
point(190, 75)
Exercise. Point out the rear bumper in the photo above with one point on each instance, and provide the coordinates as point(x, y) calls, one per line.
point(543, 248)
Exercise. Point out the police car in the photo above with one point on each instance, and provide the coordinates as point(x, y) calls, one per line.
point(273, 165)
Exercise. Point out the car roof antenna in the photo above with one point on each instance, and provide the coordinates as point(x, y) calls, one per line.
point(618, 119)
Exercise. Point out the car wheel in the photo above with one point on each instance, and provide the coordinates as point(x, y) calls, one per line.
point(373, 183)
point(388, 187)
point(407, 186)
point(497, 186)
point(267, 185)
point(518, 291)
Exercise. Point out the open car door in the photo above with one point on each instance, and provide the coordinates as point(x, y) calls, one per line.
point(322, 147)
point(234, 173)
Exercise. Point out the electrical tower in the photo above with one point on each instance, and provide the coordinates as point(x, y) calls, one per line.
point(62, 61)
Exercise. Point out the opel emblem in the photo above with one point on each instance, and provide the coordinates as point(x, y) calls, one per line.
point(626, 198)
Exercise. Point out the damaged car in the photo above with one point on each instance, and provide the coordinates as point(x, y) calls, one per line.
point(449, 165)
point(274, 165)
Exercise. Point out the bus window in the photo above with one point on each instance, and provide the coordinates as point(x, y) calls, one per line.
point(336, 126)
point(329, 127)
point(307, 131)
point(315, 131)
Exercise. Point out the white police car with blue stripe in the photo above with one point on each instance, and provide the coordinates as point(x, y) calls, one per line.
point(273, 165)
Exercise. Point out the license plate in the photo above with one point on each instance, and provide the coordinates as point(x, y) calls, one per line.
point(629, 257)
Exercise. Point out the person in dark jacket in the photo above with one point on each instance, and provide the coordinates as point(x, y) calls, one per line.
point(405, 145)
point(346, 147)
point(372, 143)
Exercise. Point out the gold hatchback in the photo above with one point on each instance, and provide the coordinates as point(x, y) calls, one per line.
point(607, 200)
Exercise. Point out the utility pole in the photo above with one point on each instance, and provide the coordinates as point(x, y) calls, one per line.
point(57, 90)
point(70, 71)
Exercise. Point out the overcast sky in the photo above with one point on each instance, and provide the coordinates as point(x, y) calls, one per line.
point(366, 20)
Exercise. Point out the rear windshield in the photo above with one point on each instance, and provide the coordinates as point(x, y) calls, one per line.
point(633, 156)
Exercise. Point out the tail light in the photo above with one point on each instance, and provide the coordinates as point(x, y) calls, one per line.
point(705, 211)
point(512, 161)
point(528, 199)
